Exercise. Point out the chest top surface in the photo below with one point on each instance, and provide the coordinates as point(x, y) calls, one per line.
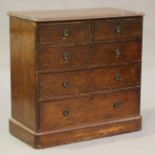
point(74, 14)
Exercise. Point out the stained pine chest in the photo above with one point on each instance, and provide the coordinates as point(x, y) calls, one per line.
point(75, 74)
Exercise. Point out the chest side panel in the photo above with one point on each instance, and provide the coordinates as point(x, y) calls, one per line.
point(23, 75)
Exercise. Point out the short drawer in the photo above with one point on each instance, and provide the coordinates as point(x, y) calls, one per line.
point(79, 82)
point(85, 111)
point(69, 33)
point(84, 56)
point(114, 29)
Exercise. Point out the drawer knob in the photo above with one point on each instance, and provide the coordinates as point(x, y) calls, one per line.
point(65, 34)
point(116, 105)
point(118, 29)
point(66, 56)
point(117, 52)
point(117, 77)
point(65, 112)
point(65, 84)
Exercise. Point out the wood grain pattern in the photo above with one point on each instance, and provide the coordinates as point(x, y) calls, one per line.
point(88, 110)
point(23, 71)
point(53, 33)
point(52, 85)
point(51, 59)
point(92, 132)
point(22, 132)
point(128, 28)
point(75, 76)
point(86, 32)
point(48, 139)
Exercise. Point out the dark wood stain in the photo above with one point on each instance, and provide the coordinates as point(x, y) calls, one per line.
point(84, 56)
point(75, 80)
point(129, 28)
point(53, 34)
point(52, 85)
point(88, 110)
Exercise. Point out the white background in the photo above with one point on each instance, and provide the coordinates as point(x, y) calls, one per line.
point(142, 142)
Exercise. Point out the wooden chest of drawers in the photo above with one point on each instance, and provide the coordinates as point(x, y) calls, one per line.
point(75, 74)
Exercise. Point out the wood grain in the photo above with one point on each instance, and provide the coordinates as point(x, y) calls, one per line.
point(129, 28)
point(88, 110)
point(48, 139)
point(53, 33)
point(51, 59)
point(23, 71)
point(79, 82)
point(75, 74)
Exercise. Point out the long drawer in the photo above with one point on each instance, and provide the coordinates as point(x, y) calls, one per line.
point(79, 112)
point(79, 82)
point(87, 56)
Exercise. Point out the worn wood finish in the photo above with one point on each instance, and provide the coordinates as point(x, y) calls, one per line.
point(75, 14)
point(88, 110)
point(56, 59)
point(75, 76)
point(98, 131)
point(23, 71)
point(54, 33)
point(115, 29)
point(78, 82)
point(48, 139)
point(78, 32)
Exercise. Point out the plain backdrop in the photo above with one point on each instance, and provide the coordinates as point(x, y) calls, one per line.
point(142, 142)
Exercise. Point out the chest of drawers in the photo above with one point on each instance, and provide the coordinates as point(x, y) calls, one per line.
point(75, 74)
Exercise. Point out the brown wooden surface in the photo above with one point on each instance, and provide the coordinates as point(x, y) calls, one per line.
point(23, 71)
point(22, 132)
point(85, 32)
point(88, 110)
point(55, 101)
point(98, 131)
point(48, 139)
point(88, 56)
point(130, 28)
point(51, 85)
point(53, 33)
point(74, 14)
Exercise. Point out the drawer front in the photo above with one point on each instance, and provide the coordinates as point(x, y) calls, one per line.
point(114, 29)
point(78, 57)
point(78, 112)
point(78, 82)
point(65, 33)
